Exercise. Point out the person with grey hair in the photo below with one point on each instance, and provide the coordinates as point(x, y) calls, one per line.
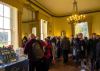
point(34, 50)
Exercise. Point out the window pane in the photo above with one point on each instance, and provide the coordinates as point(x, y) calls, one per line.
point(1, 38)
point(1, 22)
point(9, 43)
point(82, 28)
point(1, 10)
point(1, 44)
point(6, 11)
point(6, 23)
point(7, 35)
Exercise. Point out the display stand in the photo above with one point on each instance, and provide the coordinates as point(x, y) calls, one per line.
point(21, 65)
point(12, 61)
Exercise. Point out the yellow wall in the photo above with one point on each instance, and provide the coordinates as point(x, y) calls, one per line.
point(60, 24)
point(15, 3)
point(26, 29)
point(41, 15)
point(96, 23)
point(55, 24)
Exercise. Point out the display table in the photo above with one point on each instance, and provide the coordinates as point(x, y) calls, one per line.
point(20, 65)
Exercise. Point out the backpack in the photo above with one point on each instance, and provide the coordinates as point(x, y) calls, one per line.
point(37, 50)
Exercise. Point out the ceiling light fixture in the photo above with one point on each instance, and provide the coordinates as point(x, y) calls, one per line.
point(76, 17)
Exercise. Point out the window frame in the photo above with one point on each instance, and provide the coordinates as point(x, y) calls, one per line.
point(79, 24)
point(3, 29)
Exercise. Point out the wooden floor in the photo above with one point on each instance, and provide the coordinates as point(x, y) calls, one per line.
point(59, 66)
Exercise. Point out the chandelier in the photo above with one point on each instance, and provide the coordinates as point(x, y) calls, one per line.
point(76, 17)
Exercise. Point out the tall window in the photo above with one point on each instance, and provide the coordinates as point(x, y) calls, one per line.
point(5, 25)
point(43, 28)
point(82, 28)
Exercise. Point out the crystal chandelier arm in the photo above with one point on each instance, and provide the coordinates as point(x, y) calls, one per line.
point(76, 17)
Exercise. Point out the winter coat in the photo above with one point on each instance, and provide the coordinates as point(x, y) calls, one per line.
point(92, 46)
point(98, 51)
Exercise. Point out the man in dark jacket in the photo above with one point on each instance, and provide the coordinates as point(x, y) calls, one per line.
point(92, 46)
point(98, 56)
point(80, 49)
point(65, 44)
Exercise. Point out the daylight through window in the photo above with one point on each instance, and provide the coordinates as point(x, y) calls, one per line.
point(82, 28)
point(5, 25)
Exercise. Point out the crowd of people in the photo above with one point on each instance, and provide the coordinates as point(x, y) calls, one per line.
point(43, 53)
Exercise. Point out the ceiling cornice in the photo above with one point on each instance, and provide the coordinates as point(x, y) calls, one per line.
point(37, 4)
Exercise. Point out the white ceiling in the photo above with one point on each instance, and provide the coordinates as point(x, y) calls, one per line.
point(64, 7)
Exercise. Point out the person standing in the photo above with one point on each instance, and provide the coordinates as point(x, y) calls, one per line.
point(54, 49)
point(59, 50)
point(81, 49)
point(35, 53)
point(98, 55)
point(92, 46)
point(65, 44)
point(24, 41)
point(47, 54)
